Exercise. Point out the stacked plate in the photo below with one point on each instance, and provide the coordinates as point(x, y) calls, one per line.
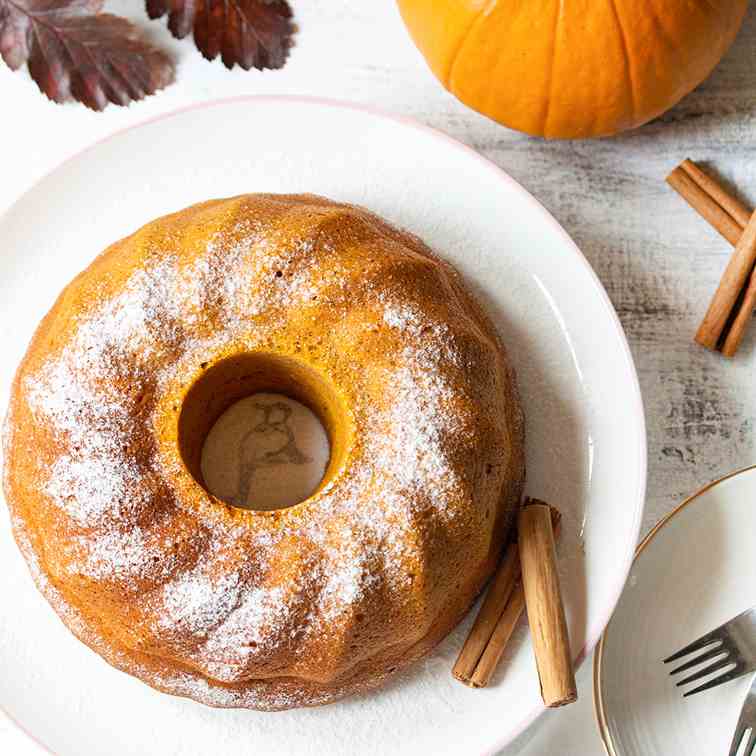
point(694, 571)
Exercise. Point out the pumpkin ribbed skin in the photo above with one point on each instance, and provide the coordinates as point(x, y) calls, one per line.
point(572, 68)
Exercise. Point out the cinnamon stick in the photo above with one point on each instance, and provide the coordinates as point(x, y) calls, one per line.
point(733, 303)
point(493, 652)
point(485, 623)
point(709, 200)
point(734, 207)
point(543, 599)
point(489, 635)
point(735, 278)
point(742, 319)
point(506, 625)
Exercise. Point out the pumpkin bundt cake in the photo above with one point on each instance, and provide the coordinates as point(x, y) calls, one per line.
point(150, 345)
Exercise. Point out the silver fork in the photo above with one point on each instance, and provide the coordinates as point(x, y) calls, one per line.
point(746, 723)
point(731, 646)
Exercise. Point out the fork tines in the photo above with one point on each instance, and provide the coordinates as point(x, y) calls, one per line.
point(738, 739)
point(729, 648)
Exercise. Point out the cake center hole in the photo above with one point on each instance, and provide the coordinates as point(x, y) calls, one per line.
point(265, 452)
point(263, 431)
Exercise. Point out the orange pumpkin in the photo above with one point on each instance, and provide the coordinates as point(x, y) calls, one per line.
point(572, 68)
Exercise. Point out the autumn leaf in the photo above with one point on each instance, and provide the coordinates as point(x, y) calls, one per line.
point(74, 52)
point(248, 33)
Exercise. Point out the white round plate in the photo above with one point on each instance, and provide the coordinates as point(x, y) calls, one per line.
point(694, 571)
point(586, 436)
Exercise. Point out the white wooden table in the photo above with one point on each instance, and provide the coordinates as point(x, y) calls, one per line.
point(657, 260)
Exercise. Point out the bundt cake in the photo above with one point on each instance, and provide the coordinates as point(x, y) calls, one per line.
point(140, 355)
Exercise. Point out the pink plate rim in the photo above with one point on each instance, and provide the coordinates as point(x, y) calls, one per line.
point(595, 632)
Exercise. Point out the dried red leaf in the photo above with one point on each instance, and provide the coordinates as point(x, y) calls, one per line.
point(247, 33)
point(74, 52)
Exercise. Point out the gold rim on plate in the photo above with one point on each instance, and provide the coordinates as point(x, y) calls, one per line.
point(598, 702)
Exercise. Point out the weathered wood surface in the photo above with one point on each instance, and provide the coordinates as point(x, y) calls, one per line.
point(657, 260)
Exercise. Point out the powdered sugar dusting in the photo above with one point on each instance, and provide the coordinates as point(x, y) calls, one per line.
point(250, 628)
point(196, 602)
point(403, 317)
point(419, 396)
point(98, 393)
point(120, 555)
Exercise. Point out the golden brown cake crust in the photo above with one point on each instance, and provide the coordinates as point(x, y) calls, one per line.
point(265, 610)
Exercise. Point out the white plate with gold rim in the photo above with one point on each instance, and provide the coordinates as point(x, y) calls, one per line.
point(586, 435)
point(695, 570)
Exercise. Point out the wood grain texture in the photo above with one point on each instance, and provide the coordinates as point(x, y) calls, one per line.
point(658, 261)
